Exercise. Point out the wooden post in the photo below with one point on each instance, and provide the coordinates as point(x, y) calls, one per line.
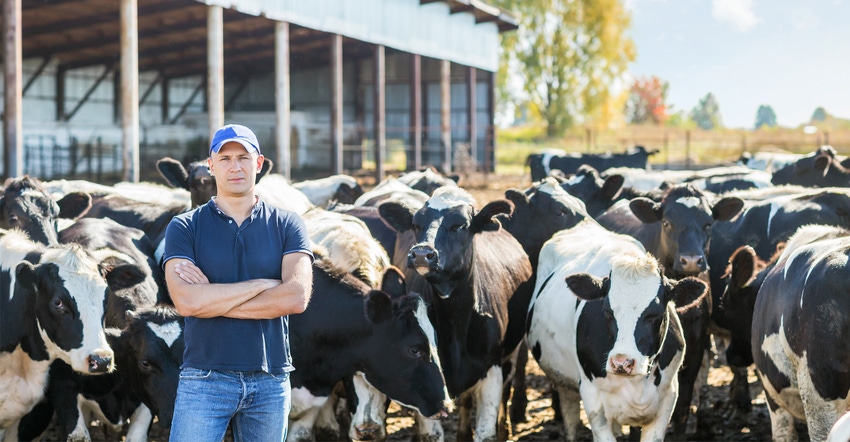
point(416, 110)
point(215, 68)
point(379, 105)
point(130, 89)
point(446, 114)
point(13, 129)
point(472, 114)
point(336, 103)
point(687, 149)
point(282, 99)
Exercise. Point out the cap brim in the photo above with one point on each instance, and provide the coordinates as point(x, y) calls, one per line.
point(248, 146)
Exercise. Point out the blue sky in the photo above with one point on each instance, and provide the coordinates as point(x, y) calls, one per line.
point(793, 55)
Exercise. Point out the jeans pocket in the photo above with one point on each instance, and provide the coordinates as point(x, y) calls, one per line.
point(282, 377)
point(194, 373)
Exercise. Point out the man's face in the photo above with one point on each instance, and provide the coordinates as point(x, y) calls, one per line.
point(235, 169)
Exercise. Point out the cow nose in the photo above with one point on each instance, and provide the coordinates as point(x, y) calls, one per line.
point(622, 364)
point(100, 362)
point(368, 432)
point(692, 263)
point(422, 256)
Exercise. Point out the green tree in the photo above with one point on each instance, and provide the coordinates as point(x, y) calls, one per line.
point(765, 116)
point(706, 114)
point(567, 56)
point(819, 115)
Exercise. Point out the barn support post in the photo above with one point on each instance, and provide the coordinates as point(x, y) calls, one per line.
point(380, 110)
point(165, 101)
point(13, 129)
point(130, 89)
point(490, 141)
point(60, 92)
point(336, 103)
point(446, 113)
point(282, 99)
point(472, 114)
point(416, 110)
point(215, 68)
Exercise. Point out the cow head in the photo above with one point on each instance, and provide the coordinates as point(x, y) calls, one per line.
point(196, 178)
point(26, 205)
point(635, 298)
point(428, 180)
point(444, 230)
point(151, 354)
point(407, 366)
point(597, 194)
point(548, 208)
point(69, 296)
point(819, 169)
point(685, 216)
point(744, 277)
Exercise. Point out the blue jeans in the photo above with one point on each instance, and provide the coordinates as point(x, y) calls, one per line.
point(207, 400)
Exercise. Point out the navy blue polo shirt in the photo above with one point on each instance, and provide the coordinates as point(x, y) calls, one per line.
point(229, 253)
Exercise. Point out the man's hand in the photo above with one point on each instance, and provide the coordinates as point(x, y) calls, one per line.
point(190, 273)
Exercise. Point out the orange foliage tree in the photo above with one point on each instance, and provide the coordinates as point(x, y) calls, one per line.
point(647, 101)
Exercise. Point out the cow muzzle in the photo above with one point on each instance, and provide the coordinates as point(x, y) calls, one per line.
point(101, 361)
point(423, 258)
point(690, 265)
point(622, 365)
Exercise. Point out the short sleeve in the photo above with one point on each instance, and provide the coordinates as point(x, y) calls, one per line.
point(179, 240)
point(296, 236)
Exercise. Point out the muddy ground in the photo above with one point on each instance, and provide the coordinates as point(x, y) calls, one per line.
point(716, 422)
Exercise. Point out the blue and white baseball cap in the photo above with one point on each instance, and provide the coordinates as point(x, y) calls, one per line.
point(237, 133)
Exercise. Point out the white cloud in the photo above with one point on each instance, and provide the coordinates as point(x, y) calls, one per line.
point(739, 13)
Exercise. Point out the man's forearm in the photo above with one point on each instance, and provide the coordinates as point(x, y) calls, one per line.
point(212, 300)
point(285, 299)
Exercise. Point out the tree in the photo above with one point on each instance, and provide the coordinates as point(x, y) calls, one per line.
point(647, 101)
point(765, 116)
point(567, 55)
point(706, 114)
point(819, 115)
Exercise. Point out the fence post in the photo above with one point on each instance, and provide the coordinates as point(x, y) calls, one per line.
point(743, 143)
point(688, 149)
point(666, 150)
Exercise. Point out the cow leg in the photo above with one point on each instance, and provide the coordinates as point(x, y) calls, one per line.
point(689, 384)
point(781, 423)
point(303, 414)
point(429, 430)
point(489, 414)
point(370, 417)
point(327, 427)
point(464, 422)
point(601, 427)
point(519, 398)
point(656, 429)
point(140, 423)
point(569, 407)
point(821, 414)
point(739, 391)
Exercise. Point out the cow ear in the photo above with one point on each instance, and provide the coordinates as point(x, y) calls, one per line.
point(588, 287)
point(517, 197)
point(822, 163)
point(393, 283)
point(743, 267)
point(26, 274)
point(379, 307)
point(122, 276)
point(74, 205)
point(485, 218)
point(399, 216)
point(687, 292)
point(727, 208)
point(646, 210)
point(266, 168)
point(612, 187)
point(173, 172)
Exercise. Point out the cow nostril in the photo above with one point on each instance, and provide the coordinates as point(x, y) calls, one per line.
point(99, 364)
point(430, 255)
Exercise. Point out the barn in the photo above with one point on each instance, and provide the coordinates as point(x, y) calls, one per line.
point(100, 89)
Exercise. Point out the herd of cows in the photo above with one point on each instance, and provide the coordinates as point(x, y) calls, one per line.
point(601, 270)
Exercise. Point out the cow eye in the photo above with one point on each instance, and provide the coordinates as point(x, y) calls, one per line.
point(665, 224)
point(458, 227)
point(13, 219)
point(707, 227)
point(58, 304)
point(145, 365)
point(416, 351)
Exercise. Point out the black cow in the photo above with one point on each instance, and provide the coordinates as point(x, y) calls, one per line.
point(26, 205)
point(52, 304)
point(542, 163)
point(390, 343)
point(196, 178)
point(676, 231)
point(470, 268)
point(801, 332)
point(822, 168)
point(340, 188)
point(597, 194)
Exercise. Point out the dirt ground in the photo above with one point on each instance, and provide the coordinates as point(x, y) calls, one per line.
point(716, 421)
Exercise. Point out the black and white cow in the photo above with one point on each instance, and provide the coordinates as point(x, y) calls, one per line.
point(428, 180)
point(340, 188)
point(380, 336)
point(597, 194)
point(52, 301)
point(26, 205)
point(821, 168)
point(768, 161)
point(542, 163)
point(610, 335)
point(391, 189)
point(801, 332)
point(469, 268)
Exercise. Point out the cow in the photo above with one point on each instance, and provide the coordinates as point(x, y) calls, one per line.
point(821, 168)
point(714, 179)
point(769, 218)
point(542, 163)
point(767, 161)
point(26, 205)
point(603, 327)
point(468, 268)
point(52, 302)
point(676, 231)
point(597, 194)
point(340, 188)
point(801, 332)
point(427, 180)
point(390, 344)
point(379, 228)
point(391, 189)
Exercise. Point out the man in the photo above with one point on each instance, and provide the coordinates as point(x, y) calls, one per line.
point(235, 268)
